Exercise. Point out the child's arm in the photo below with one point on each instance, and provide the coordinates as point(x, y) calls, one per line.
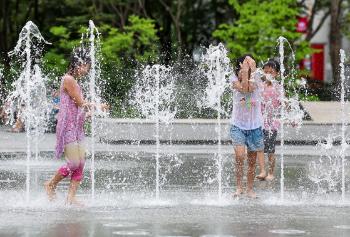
point(252, 79)
point(249, 86)
point(71, 86)
point(237, 83)
point(242, 84)
point(245, 74)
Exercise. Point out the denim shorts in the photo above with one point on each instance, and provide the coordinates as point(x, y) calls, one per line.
point(253, 139)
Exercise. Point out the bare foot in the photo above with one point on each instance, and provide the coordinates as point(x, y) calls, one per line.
point(261, 176)
point(270, 177)
point(49, 191)
point(238, 193)
point(251, 194)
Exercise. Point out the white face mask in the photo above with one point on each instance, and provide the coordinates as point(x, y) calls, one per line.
point(269, 78)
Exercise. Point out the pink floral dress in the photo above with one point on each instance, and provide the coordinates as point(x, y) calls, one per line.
point(70, 122)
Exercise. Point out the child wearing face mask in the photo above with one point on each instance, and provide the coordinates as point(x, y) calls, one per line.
point(271, 106)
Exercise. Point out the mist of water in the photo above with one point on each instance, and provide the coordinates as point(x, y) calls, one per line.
point(154, 97)
point(28, 101)
point(216, 67)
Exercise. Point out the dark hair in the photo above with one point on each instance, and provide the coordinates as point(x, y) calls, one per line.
point(274, 64)
point(240, 60)
point(79, 56)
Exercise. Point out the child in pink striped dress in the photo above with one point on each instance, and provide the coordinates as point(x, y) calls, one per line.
point(70, 126)
point(271, 106)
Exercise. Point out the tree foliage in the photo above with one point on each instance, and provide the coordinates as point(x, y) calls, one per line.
point(258, 27)
point(121, 50)
point(131, 31)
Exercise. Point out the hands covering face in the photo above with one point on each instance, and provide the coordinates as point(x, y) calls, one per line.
point(251, 63)
point(248, 63)
point(245, 65)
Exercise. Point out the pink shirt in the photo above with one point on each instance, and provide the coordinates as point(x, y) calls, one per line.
point(271, 107)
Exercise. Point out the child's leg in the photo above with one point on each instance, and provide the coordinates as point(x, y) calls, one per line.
point(77, 174)
point(73, 161)
point(261, 161)
point(261, 157)
point(238, 140)
point(78, 156)
point(271, 155)
point(251, 172)
point(272, 161)
point(50, 186)
point(255, 144)
point(73, 187)
point(239, 156)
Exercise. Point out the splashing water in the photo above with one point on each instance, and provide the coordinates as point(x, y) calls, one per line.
point(343, 127)
point(329, 171)
point(292, 114)
point(326, 173)
point(216, 67)
point(154, 97)
point(28, 100)
point(93, 91)
point(282, 71)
